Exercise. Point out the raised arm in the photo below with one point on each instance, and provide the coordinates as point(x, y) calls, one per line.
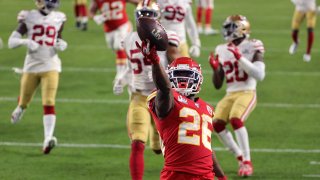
point(164, 101)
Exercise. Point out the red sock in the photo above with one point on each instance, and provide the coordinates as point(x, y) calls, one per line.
point(236, 123)
point(294, 36)
point(208, 15)
point(199, 14)
point(77, 10)
point(310, 40)
point(136, 160)
point(48, 110)
point(83, 10)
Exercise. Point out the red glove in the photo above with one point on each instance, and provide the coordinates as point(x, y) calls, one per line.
point(223, 178)
point(214, 61)
point(149, 54)
point(232, 48)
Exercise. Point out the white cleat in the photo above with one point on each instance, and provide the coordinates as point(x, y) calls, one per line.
point(306, 57)
point(293, 48)
point(200, 30)
point(49, 144)
point(17, 115)
point(210, 31)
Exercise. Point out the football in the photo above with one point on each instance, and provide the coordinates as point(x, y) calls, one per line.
point(152, 30)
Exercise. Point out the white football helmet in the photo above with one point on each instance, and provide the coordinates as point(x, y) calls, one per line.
point(146, 9)
point(47, 5)
point(234, 27)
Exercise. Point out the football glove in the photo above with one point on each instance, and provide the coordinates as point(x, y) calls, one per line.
point(194, 51)
point(61, 45)
point(214, 61)
point(118, 87)
point(31, 44)
point(235, 51)
point(150, 54)
point(99, 19)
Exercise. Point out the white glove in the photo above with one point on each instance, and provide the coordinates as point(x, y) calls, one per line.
point(99, 19)
point(1, 43)
point(194, 51)
point(61, 45)
point(31, 44)
point(118, 87)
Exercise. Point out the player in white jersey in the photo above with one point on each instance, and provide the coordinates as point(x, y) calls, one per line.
point(240, 62)
point(139, 122)
point(304, 9)
point(42, 65)
point(176, 15)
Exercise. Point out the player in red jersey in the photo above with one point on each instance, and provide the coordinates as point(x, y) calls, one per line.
point(116, 26)
point(184, 122)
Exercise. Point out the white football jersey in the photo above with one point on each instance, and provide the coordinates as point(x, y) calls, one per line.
point(305, 5)
point(237, 79)
point(139, 68)
point(173, 13)
point(43, 30)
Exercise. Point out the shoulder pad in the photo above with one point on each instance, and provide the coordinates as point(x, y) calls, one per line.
point(22, 15)
point(258, 45)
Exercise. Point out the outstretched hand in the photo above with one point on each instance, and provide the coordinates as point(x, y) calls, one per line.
point(150, 54)
point(214, 61)
point(235, 51)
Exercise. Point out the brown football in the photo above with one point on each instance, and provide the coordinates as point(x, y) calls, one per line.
point(151, 29)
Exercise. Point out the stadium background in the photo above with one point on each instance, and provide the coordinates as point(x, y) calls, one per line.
point(91, 122)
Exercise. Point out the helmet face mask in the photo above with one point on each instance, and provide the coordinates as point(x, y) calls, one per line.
point(151, 10)
point(235, 27)
point(185, 76)
point(47, 5)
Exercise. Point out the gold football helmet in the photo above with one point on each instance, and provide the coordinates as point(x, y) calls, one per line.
point(234, 27)
point(147, 9)
point(47, 5)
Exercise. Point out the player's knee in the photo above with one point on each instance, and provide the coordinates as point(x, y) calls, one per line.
point(219, 126)
point(137, 145)
point(48, 110)
point(236, 123)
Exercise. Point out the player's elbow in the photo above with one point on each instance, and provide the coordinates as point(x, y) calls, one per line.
point(260, 76)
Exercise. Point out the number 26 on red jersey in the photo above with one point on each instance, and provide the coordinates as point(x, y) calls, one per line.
point(200, 122)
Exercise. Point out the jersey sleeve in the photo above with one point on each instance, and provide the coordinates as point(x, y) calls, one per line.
point(61, 16)
point(258, 46)
point(22, 16)
point(173, 38)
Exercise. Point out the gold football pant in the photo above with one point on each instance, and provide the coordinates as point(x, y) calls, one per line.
point(29, 83)
point(298, 17)
point(140, 125)
point(236, 105)
point(184, 49)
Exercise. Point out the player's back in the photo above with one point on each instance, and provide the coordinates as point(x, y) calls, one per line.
point(186, 135)
point(115, 13)
point(173, 14)
point(43, 30)
point(237, 79)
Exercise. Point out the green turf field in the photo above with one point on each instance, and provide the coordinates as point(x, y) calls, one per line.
point(284, 129)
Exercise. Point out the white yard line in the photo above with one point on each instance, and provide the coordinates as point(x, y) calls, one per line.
point(311, 175)
point(113, 70)
point(119, 146)
point(124, 101)
point(314, 163)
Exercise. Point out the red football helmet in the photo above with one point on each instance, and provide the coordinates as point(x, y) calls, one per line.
point(185, 76)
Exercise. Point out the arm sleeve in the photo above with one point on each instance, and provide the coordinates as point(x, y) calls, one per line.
point(15, 40)
point(255, 69)
point(192, 28)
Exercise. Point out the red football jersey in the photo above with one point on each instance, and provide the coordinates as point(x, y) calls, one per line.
point(186, 135)
point(115, 11)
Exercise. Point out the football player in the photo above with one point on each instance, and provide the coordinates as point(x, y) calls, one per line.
point(139, 122)
point(304, 9)
point(184, 122)
point(176, 15)
point(114, 17)
point(240, 62)
point(43, 28)
point(80, 11)
point(207, 6)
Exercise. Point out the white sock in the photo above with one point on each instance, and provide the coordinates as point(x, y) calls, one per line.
point(227, 139)
point(49, 122)
point(84, 19)
point(243, 141)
